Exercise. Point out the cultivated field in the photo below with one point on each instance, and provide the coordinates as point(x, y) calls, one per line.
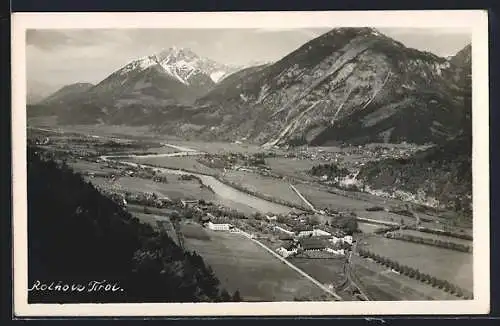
point(386, 216)
point(383, 284)
point(217, 147)
point(322, 199)
point(292, 166)
point(85, 166)
point(327, 271)
point(264, 185)
point(174, 189)
point(368, 228)
point(453, 266)
point(186, 163)
point(235, 258)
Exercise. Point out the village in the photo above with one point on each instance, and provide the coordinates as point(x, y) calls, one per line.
point(324, 239)
point(292, 234)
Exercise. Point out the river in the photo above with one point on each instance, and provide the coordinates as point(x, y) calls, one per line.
point(225, 192)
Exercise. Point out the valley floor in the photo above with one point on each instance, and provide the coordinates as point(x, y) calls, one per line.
point(239, 262)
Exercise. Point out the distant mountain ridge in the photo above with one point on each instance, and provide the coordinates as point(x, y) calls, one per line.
point(66, 93)
point(171, 77)
point(351, 85)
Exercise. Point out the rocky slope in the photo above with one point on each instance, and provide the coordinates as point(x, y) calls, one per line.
point(440, 176)
point(350, 84)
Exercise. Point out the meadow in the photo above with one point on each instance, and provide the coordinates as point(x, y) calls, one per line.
point(243, 265)
point(327, 271)
point(267, 186)
point(292, 167)
point(383, 284)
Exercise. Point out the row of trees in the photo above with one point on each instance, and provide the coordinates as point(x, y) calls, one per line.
point(430, 242)
point(445, 233)
point(416, 274)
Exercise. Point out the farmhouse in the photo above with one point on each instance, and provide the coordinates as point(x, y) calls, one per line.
point(348, 239)
point(303, 231)
point(335, 239)
point(271, 218)
point(320, 233)
point(280, 229)
point(340, 252)
point(313, 233)
point(287, 249)
point(219, 227)
point(186, 202)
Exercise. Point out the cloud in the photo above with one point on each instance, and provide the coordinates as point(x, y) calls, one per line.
point(57, 39)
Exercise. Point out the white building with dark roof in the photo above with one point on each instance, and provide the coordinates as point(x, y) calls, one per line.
point(219, 227)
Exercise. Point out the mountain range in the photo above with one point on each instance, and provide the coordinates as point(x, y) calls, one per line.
point(351, 85)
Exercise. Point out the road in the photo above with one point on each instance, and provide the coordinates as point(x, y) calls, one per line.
point(304, 199)
point(298, 270)
point(349, 275)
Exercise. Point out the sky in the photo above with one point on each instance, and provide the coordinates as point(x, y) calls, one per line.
point(59, 57)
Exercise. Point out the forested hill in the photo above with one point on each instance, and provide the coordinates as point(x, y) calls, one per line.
point(77, 235)
point(442, 172)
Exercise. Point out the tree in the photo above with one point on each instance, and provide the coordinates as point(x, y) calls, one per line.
point(236, 296)
point(312, 220)
point(350, 226)
point(225, 297)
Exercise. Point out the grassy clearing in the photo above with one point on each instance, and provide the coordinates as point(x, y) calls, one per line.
point(383, 284)
point(242, 265)
point(453, 266)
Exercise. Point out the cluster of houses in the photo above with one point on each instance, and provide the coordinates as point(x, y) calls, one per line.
point(296, 235)
point(331, 246)
point(42, 140)
point(307, 238)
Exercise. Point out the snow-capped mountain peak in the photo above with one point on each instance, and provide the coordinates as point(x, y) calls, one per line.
point(182, 64)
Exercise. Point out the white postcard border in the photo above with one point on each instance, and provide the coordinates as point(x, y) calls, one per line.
point(474, 20)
